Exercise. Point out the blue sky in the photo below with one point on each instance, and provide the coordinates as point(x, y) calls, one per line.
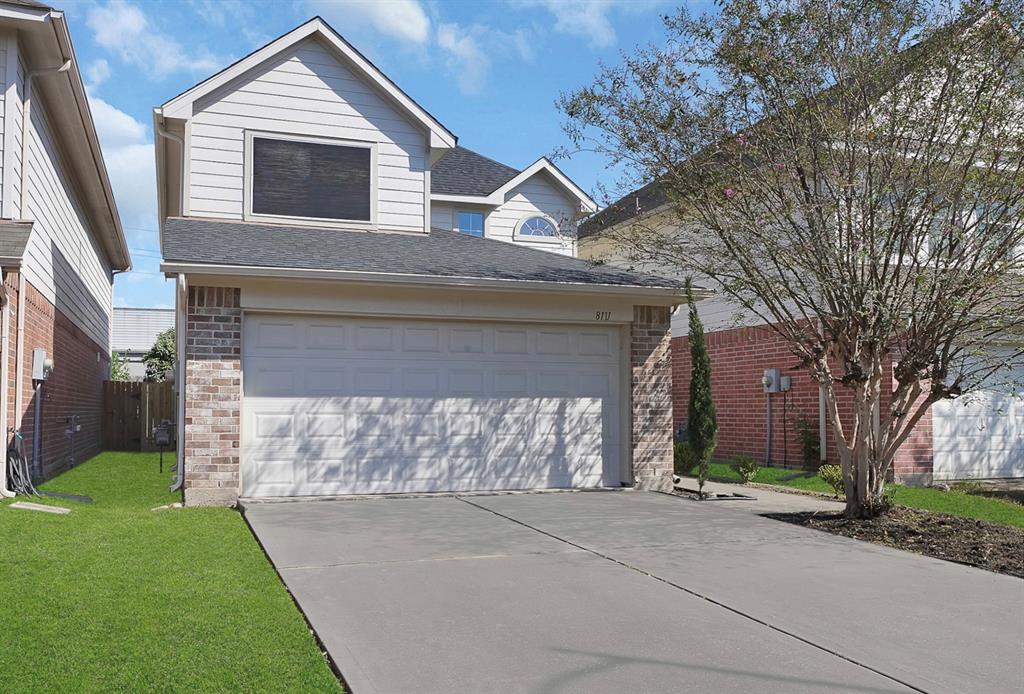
point(490, 71)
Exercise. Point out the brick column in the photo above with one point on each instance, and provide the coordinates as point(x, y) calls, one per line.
point(213, 396)
point(651, 363)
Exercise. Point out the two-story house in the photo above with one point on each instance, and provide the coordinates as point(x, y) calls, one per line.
point(362, 306)
point(61, 243)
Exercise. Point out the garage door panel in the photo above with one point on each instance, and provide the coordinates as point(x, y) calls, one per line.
point(366, 406)
point(981, 435)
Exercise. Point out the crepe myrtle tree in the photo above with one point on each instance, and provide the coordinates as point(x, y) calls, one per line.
point(850, 173)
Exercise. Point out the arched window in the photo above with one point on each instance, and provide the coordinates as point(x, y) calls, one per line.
point(537, 227)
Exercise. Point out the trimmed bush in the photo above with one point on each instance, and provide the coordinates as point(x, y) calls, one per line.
point(683, 459)
point(832, 475)
point(746, 467)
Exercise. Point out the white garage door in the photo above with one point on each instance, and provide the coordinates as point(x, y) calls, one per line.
point(353, 406)
point(981, 436)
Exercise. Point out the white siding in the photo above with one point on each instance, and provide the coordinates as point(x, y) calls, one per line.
point(536, 195)
point(63, 260)
point(307, 92)
point(16, 128)
point(136, 329)
point(3, 109)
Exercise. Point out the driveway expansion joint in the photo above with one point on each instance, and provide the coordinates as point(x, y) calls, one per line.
point(698, 594)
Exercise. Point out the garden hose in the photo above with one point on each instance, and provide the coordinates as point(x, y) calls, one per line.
point(19, 477)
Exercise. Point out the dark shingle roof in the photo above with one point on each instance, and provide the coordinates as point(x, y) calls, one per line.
point(13, 239)
point(441, 253)
point(464, 172)
point(649, 197)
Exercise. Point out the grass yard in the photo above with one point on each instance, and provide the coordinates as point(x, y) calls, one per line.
point(115, 597)
point(966, 504)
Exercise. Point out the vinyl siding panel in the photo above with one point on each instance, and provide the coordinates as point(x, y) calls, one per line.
point(3, 110)
point(305, 92)
point(63, 260)
point(536, 196)
point(19, 113)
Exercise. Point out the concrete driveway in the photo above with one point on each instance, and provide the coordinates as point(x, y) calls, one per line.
point(630, 592)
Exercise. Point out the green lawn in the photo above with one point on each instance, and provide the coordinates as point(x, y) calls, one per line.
point(954, 502)
point(114, 597)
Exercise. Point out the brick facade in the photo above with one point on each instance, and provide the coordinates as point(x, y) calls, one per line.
point(738, 359)
point(213, 395)
point(651, 378)
point(75, 387)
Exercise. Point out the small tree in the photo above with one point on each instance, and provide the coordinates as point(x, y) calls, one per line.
point(160, 357)
point(850, 173)
point(118, 368)
point(702, 422)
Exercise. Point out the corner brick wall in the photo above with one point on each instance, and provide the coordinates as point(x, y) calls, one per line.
point(213, 395)
point(75, 387)
point(738, 359)
point(651, 367)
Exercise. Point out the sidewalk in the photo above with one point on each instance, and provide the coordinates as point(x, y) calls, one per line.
point(765, 500)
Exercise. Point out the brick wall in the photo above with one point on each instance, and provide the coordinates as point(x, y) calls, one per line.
point(738, 359)
point(651, 366)
point(75, 387)
point(213, 350)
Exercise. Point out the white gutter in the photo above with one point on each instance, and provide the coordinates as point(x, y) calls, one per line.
point(163, 132)
point(19, 367)
point(5, 334)
point(672, 294)
point(180, 330)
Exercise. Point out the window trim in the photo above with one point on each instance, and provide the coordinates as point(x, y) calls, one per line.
point(247, 194)
point(483, 221)
point(557, 238)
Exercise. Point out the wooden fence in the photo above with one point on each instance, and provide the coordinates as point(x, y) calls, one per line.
point(130, 411)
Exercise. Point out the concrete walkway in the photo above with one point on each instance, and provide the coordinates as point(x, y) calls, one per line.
point(631, 592)
point(765, 500)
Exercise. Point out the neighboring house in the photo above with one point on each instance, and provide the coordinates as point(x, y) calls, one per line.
point(60, 241)
point(335, 340)
point(979, 437)
point(134, 334)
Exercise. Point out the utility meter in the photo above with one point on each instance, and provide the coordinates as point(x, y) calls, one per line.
point(41, 364)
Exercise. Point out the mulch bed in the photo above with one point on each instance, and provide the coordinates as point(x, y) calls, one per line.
point(990, 546)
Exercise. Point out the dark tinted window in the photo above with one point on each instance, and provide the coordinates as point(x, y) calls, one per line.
point(310, 179)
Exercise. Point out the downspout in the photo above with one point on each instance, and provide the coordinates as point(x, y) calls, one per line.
point(5, 325)
point(163, 132)
point(181, 327)
point(26, 123)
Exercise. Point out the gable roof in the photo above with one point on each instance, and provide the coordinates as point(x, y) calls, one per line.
point(462, 171)
point(196, 245)
point(181, 105)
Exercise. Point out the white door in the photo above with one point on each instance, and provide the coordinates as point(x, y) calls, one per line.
point(362, 405)
point(980, 436)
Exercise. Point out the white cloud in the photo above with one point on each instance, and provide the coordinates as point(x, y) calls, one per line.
point(400, 19)
point(128, 152)
point(588, 18)
point(464, 57)
point(123, 29)
point(97, 72)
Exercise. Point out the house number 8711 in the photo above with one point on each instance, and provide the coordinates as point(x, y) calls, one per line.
point(603, 315)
